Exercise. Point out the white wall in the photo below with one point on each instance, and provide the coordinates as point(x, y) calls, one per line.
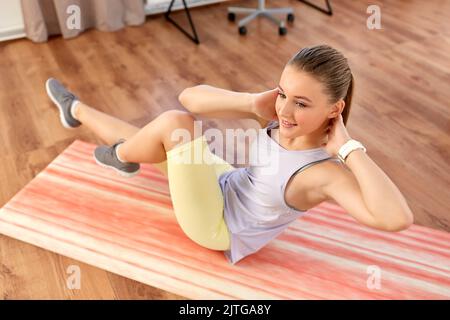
point(11, 20)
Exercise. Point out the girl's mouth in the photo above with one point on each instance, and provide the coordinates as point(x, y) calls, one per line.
point(287, 124)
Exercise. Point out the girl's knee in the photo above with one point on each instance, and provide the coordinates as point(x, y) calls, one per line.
point(178, 128)
point(177, 118)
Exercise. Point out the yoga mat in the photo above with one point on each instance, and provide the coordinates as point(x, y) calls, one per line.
point(127, 226)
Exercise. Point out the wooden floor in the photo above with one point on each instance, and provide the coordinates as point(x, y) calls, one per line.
point(401, 108)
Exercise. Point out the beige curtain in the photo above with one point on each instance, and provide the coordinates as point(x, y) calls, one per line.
point(49, 17)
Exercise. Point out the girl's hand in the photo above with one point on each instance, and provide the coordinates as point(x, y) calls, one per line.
point(263, 104)
point(337, 135)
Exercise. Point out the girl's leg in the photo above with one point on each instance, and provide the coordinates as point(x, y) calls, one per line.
point(196, 195)
point(192, 171)
point(150, 144)
point(143, 145)
point(108, 128)
point(146, 145)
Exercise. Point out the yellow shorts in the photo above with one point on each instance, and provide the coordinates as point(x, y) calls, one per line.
point(192, 171)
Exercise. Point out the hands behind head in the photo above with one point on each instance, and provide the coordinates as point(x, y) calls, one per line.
point(263, 104)
point(337, 135)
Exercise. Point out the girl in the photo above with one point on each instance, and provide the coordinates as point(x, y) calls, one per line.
point(239, 210)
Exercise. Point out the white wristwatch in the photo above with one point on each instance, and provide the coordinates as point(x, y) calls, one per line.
point(348, 147)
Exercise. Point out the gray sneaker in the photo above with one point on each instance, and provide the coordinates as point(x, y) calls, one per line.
point(63, 100)
point(106, 157)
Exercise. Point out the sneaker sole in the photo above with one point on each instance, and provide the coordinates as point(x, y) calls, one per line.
point(61, 113)
point(123, 174)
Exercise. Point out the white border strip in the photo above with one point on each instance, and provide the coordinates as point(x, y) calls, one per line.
point(15, 32)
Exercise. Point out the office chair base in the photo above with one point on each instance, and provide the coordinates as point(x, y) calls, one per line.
point(255, 12)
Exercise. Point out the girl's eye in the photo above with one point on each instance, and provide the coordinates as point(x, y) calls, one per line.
point(298, 103)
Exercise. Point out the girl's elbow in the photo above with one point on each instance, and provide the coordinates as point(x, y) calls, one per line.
point(186, 100)
point(182, 97)
point(402, 224)
point(408, 219)
point(398, 227)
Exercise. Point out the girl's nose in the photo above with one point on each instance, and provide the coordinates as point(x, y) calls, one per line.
point(285, 110)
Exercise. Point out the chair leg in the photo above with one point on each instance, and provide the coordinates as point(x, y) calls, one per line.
point(329, 10)
point(167, 15)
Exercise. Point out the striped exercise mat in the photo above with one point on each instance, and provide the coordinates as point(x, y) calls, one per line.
point(127, 226)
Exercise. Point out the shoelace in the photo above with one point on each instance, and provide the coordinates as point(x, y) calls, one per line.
point(67, 97)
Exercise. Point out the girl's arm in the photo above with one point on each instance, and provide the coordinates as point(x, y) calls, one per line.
point(215, 102)
point(362, 187)
point(382, 197)
point(367, 193)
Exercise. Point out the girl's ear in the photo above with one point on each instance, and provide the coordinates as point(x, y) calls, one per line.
point(338, 107)
point(341, 105)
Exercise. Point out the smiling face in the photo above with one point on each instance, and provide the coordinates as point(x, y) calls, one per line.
point(303, 102)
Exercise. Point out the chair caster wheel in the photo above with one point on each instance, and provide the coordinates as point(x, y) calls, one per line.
point(231, 16)
point(243, 30)
point(282, 31)
point(290, 17)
